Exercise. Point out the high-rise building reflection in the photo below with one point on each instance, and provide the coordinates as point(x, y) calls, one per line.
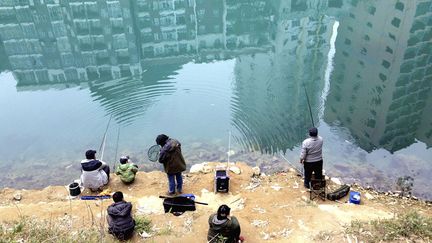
point(122, 50)
point(381, 84)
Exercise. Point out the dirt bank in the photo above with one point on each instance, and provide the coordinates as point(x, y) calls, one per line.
point(272, 208)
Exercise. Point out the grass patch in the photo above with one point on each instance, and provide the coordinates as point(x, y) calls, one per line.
point(28, 229)
point(411, 226)
point(143, 224)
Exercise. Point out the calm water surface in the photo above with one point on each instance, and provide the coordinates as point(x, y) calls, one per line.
point(202, 70)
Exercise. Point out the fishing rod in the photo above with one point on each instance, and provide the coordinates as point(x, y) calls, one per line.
point(102, 146)
point(229, 148)
point(117, 143)
point(299, 171)
point(309, 106)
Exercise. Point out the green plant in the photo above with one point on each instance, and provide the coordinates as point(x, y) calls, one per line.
point(143, 224)
point(410, 226)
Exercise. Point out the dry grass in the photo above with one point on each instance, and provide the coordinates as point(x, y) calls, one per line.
point(409, 227)
point(28, 229)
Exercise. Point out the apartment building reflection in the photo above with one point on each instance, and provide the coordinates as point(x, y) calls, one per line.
point(381, 84)
point(68, 41)
point(280, 49)
point(270, 108)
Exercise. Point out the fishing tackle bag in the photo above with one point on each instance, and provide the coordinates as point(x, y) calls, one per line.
point(338, 193)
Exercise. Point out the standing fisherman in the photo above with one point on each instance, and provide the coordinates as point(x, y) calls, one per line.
point(311, 156)
point(172, 159)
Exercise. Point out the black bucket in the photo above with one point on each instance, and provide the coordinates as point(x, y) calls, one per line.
point(74, 189)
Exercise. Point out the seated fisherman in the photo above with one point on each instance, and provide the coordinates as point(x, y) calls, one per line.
point(94, 173)
point(120, 221)
point(126, 170)
point(223, 227)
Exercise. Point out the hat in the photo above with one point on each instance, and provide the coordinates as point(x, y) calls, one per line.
point(124, 159)
point(90, 154)
point(161, 139)
point(313, 132)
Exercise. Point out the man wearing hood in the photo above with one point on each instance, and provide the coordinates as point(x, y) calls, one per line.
point(95, 173)
point(173, 162)
point(120, 221)
point(224, 227)
point(126, 170)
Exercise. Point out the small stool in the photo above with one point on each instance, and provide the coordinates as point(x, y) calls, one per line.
point(317, 189)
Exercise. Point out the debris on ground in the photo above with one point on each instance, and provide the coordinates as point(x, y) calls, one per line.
point(17, 196)
point(259, 223)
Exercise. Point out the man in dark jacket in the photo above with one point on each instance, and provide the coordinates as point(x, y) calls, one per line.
point(120, 221)
point(223, 228)
point(172, 159)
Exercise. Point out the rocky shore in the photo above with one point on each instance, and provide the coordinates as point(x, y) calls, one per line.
point(270, 208)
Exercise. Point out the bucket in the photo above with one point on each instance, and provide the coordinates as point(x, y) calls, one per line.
point(74, 189)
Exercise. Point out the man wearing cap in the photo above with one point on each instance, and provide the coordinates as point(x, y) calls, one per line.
point(95, 173)
point(173, 162)
point(223, 227)
point(311, 156)
point(126, 170)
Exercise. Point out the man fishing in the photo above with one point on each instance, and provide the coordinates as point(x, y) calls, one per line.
point(95, 173)
point(311, 156)
point(174, 164)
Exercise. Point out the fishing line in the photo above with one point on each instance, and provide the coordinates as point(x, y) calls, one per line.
point(102, 146)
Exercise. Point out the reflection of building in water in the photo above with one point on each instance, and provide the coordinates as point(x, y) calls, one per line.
point(270, 108)
point(383, 68)
point(50, 42)
point(199, 28)
point(4, 63)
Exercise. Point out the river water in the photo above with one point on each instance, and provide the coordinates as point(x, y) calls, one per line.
point(248, 77)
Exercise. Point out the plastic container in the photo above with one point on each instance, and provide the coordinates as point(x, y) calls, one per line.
point(354, 197)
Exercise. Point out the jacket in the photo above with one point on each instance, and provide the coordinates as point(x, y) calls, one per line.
point(171, 157)
point(92, 175)
point(127, 172)
point(120, 217)
point(312, 149)
point(229, 229)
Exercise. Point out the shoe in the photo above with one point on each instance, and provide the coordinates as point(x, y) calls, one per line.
point(180, 192)
point(170, 193)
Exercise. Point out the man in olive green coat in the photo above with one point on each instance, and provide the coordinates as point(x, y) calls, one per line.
point(172, 159)
point(126, 170)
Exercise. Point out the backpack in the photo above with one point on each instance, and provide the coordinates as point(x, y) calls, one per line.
point(338, 193)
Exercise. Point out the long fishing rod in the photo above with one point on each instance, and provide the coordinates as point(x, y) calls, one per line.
point(309, 106)
point(299, 171)
point(102, 146)
point(117, 143)
point(229, 148)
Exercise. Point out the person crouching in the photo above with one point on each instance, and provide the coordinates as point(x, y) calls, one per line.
point(126, 170)
point(120, 221)
point(94, 173)
point(223, 227)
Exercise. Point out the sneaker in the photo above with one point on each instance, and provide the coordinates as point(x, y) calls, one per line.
point(170, 193)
